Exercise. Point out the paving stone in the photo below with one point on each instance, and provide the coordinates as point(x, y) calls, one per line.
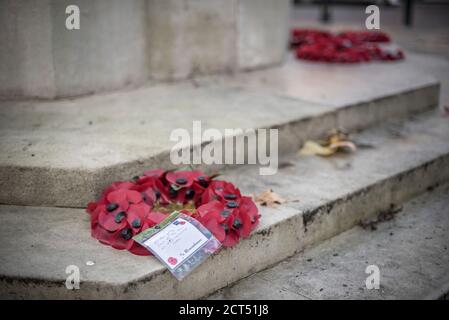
point(411, 252)
point(256, 288)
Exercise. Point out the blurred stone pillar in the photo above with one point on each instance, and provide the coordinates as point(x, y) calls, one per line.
point(189, 37)
point(39, 57)
point(262, 32)
point(124, 43)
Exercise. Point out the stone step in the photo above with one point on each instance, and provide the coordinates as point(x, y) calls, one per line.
point(411, 252)
point(326, 197)
point(64, 152)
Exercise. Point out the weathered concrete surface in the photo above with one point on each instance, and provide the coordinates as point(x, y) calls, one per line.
point(39, 57)
point(326, 197)
point(106, 53)
point(74, 148)
point(191, 37)
point(25, 71)
point(411, 251)
point(337, 84)
point(263, 32)
point(256, 288)
point(123, 44)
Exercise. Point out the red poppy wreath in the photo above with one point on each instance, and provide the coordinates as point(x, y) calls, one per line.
point(344, 47)
point(127, 208)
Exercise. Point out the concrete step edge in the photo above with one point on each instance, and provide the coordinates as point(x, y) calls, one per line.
point(410, 252)
point(75, 188)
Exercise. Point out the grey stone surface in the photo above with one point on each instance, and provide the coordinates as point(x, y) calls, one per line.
point(39, 57)
point(123, 44)
point(191, 37)
point(262, 31)
point(337, 84)
point(108, 52)
point(73, 148)
point(326, 197)
point(26, 71)
point(411, 252)
point(256, 288)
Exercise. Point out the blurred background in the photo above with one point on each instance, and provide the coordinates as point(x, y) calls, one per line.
point(420, 25)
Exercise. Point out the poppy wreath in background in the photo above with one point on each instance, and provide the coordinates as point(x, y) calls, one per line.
point(344, 47)
point(127, 208)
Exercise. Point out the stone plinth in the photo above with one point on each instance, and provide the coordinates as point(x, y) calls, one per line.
point(125, 43)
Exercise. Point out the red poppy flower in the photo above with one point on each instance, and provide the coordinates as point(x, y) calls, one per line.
point(214, 216)
point(182, 179)
point(152, 190)
point(222, 191)
point(229, 223)
point(156, 173)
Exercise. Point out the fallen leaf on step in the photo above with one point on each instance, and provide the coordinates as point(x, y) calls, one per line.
point(269, 199)
point(311, 148)
point(335, 142)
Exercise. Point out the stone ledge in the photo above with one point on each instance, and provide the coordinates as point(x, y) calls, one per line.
point(327, 196)
point(74, 148)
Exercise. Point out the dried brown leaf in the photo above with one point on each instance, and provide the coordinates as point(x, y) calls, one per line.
point(335, 141)
point(269, 199)
point(343, 146)
point(314, 148)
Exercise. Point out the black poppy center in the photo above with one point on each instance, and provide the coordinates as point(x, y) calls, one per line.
point(230, 196)
point(232, 204)
point(237, 224)
point(112, 207)
point(225, 213)
point(225, 227)
point(136, 223)
point(126, 234)
point(119, 217)
point(202, 180)
point(190, 194)
point(181, 181)
point(173, 193)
